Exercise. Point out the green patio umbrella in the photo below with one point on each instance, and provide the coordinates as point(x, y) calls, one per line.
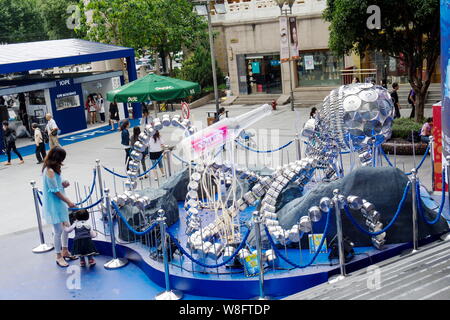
point(155, 88)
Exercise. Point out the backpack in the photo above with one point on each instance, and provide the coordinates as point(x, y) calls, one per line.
point(45, 136)
point(11, 138)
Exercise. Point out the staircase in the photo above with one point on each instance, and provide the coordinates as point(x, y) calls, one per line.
point(253, 99)
point(434, 95)
point(423, 275)
point(308, 97)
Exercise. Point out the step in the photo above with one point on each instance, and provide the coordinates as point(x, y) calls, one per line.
point(411, 276)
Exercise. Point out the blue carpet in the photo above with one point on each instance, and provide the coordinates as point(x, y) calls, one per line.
point(69, 139)
point(36, 276)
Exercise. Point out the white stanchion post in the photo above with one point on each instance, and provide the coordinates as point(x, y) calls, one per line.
point(257, 223)
point(43, 247)
point(115, 262)
point(414, 211)
point(168, 294)
point(340, 237)
point(298, 147)
point(168, 156)
point(99, 177)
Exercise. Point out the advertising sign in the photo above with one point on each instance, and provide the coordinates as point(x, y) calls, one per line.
point(309, 62)
point(437, 147)
point(314, 242)
point(294, 38)
point(284, 40)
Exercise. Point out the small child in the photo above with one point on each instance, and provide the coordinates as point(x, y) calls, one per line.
point(82, 243)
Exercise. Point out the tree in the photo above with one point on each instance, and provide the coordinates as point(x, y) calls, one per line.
point(162, 26)
point(20, 21)
point(60, 18)
point(197, 66)
point(409, 32)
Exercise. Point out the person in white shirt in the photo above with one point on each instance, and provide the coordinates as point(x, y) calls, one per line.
point(52, 130)
point(40, 144)
point(155, 149)
point(101, 106)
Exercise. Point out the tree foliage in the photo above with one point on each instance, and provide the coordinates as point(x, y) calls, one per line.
point(409, 32)
point(20, 21)
point(55, 15)
point(197, 66)
point(160, 25)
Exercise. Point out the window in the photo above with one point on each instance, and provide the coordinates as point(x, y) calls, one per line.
point(319, 68)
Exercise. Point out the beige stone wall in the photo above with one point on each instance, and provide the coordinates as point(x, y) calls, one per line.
point(262, 37)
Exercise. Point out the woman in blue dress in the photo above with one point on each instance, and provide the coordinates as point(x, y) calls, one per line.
point(56, 203)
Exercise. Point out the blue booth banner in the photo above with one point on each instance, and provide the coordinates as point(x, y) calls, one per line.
point(445, 71)
point(68, 106)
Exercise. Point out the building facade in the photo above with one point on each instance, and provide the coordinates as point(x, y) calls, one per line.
point(248, 47)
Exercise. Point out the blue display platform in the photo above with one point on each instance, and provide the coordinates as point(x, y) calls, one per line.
point(28, 276)
point(279, 280)
point(36, 276)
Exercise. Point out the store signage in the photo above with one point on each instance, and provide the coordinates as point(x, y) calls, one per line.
point(64, 83)
point(164, 88)
point(132, 99)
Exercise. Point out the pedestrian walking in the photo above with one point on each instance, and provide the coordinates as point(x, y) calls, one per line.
point(155, 149)
point(312, 114)
point(40, 143)
point(113, 114)
point(55, 203)
point(52, 131)
point(394, 96)
point(412, 102)
point(125, 140)
point(9, 141)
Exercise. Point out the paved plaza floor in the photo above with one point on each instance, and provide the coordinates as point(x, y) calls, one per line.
point(17, 211)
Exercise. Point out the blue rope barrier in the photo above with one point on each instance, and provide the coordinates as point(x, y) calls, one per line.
point(441, 206)
point(420, 163)
point(138, 233)
point(91, 190)
point(183, 161)
point(263, 151)
point(373, 234)
point(319, 248)
point(210, 266)
point(141, 175)
point(88, 207)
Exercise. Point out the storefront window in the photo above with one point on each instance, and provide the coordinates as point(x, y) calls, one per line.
point(263, 74)
point(319, 68)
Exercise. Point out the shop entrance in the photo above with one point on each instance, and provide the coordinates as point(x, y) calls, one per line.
point(263, 74)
